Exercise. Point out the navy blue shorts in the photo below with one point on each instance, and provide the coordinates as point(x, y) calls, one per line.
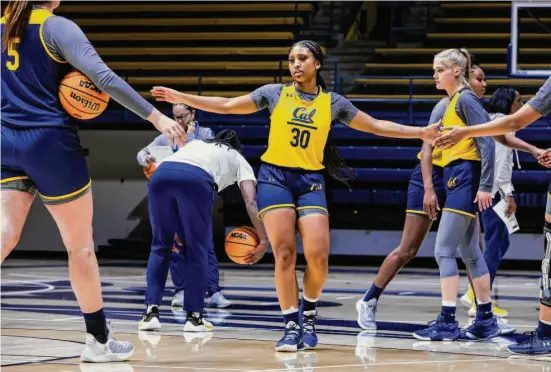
point(416, 189)
point(462, 179)
point(49, 160)
point(280, 187)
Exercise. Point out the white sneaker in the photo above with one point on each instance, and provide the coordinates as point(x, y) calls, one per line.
point(218, 300)
point(196, 323)
point(150, 321)
point(366, 313)
point(178, 300)
point(111, 351)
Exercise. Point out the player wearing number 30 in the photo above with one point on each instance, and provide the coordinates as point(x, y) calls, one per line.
point(291, 183)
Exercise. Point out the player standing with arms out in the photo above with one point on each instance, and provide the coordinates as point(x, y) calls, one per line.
point(291, 183)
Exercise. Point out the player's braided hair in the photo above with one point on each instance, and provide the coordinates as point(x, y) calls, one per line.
point(334, 164)
point(227, 137)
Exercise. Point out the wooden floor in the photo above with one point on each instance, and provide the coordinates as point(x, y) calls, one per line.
point(42, 329)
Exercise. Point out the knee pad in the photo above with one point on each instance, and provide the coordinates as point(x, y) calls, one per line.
point(545, 281)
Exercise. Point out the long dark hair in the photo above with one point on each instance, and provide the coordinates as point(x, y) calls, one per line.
point(501, 100)
point(227, 137)
point(334, 164)
point(18, 14)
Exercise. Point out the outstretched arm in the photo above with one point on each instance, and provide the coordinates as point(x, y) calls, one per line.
point(517, 144)
point(218, 105)
point(66, 42)
point(536, 107)
point(365, 123)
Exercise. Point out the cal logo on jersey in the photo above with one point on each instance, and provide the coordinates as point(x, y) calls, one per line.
point(303, 116)
point(298, 130)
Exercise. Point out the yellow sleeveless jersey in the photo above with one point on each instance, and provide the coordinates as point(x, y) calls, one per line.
point(436, 157)
point(465, 149)
point(298, 130)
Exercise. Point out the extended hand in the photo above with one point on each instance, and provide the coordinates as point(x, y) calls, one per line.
point(484, 200)
point(430, 204)
point(453, 136)
point(255, 255)
point(165, 94)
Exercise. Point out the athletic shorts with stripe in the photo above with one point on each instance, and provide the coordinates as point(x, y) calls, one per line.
point(280, 187)
point(416, 189)
point(47, 160)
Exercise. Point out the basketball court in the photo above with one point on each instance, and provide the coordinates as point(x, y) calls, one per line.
point(42, 329)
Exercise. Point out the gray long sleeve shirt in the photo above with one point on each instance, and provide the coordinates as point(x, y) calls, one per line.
point(66, 41)
point(469, 108)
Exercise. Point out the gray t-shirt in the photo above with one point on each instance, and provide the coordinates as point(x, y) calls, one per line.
point(267, 96)
point(541, 102)
point(470, 109)
point(66, 41)
point(439, 110)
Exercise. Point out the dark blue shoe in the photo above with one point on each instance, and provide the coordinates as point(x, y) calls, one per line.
point(292, 340)
point(483, 329)
point(439, 330)
point(309, 336)
point(532, 346)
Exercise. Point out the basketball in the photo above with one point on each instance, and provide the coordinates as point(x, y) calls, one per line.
point(80, 97)
point(149, 169)
point(239, 242)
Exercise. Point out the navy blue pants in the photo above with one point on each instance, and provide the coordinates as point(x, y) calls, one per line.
point(178, 269)
point(496, 239)
point(181, 200)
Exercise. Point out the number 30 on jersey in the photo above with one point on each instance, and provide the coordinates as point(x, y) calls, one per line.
point(300, 138)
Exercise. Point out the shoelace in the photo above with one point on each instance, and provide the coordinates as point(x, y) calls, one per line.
point(533, 337)
point(368, 315)
point(291, 333)
point(309, 324)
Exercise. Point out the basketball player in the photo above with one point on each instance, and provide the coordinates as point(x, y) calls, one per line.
point(426, 193)
point(182, 192)
point(540, 105)
point(185, 116)
point(41, 151)
point(291, 183)
point(496, 238)
point(468, 169)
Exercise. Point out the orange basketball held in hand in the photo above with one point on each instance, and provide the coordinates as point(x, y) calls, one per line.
point(80, 97)
point(149, 169)
point(239, 242)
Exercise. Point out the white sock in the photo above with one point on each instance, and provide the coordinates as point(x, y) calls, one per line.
point(545, 322)
point(290, 310)
point(309, 299)
point(150, 307)
point(449, 303)
point(482, 302)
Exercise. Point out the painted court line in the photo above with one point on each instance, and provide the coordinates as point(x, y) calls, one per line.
point(421, 362)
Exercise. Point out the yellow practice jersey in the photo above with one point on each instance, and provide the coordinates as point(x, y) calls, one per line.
point(298, 130)
point(466, 148)
point(436, 157)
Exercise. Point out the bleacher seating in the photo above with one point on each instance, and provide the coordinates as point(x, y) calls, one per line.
point(229, 49)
